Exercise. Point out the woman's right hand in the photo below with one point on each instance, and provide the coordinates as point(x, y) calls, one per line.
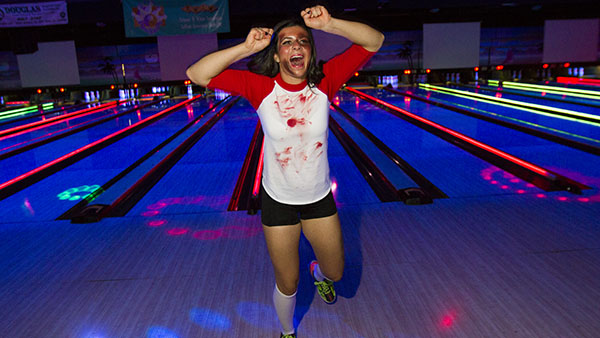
point(258, 39)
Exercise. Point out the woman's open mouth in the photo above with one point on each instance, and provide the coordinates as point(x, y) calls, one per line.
point(297, 61)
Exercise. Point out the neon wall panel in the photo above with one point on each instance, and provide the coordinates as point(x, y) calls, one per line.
point(451, 45)
point(54, 64)
point(571, 40)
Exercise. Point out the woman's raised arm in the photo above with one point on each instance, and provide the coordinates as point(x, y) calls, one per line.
point(319, 18)
point(211, 65)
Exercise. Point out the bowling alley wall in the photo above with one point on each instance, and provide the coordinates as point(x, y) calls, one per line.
point(436, 46)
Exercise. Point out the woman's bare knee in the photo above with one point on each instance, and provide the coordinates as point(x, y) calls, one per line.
point(287, 286)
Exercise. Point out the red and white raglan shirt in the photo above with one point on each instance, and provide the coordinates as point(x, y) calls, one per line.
point(294, 119)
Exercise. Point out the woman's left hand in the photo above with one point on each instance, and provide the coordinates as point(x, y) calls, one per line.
point(316, 17)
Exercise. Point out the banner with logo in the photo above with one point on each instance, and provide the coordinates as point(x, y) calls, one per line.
point(33, 14)
point(144, 18)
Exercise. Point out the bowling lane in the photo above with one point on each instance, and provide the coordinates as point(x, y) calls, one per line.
point(22, 163)
point(579, 130)
point(454, 171)
point(204, 179)
point(566, 161)
point(393, 173)
point(19, 139)
point(40, 115)
point(210, 171)
point(51, 197)
point(350, 187)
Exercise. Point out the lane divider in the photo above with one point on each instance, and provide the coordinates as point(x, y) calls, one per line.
point(428, 188)
point(138, 190)
point(244, 196)
point(381, 185)
point(81, 213)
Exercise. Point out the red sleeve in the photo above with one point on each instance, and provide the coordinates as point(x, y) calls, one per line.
point(253, 87)
point(341, 68)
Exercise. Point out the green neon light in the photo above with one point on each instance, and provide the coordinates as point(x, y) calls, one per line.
point(517, 120)
point(561, 89)
point(22, 111)
point(82, 192)
point(514, 102)
point(15, 114)
point(18, 110)
point(493, 82)
point(520, 108)
point(551, 91)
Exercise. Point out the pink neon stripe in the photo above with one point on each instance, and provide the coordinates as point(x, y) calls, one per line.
point(576, 80)
point(17, 145)
point(54, 123)
point(75, 152)
point(259, 169)
point(49, 122)
point(498, 152)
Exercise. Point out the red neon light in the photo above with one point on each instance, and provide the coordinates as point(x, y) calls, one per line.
point(16, 102)
point(428, 71)
point(356, 74)
point(476, 69)
point(149, 95)
point(62, 90)
point(576, 80)
point(567, 65)
point(500, 67)
point(50, 134)
point(39, 91)
point(545, 65)
point(77, 151)
point(259, 169)
point(484, 146)
point(51, 121)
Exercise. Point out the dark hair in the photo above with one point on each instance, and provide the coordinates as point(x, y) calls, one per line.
point(264, 63)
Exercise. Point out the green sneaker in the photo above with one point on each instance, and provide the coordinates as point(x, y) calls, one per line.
point(325, 288)
point(291, 335)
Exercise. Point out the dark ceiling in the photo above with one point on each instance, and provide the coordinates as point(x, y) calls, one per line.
point(94, 22)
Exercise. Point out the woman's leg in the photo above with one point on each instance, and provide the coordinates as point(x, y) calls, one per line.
point(282, 243)
point(325, 237)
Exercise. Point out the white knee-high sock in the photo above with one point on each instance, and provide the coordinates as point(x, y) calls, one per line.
point(284, 305)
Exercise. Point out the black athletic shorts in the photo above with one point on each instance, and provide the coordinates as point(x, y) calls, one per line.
point(274, 213)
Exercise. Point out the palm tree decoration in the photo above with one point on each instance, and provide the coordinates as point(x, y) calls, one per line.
point(107, 67)
point(406, 53)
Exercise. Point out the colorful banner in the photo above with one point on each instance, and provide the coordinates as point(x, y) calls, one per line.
point(34, 14)
point(144, 18)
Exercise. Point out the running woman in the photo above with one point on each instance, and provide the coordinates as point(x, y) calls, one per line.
point(291, 95)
